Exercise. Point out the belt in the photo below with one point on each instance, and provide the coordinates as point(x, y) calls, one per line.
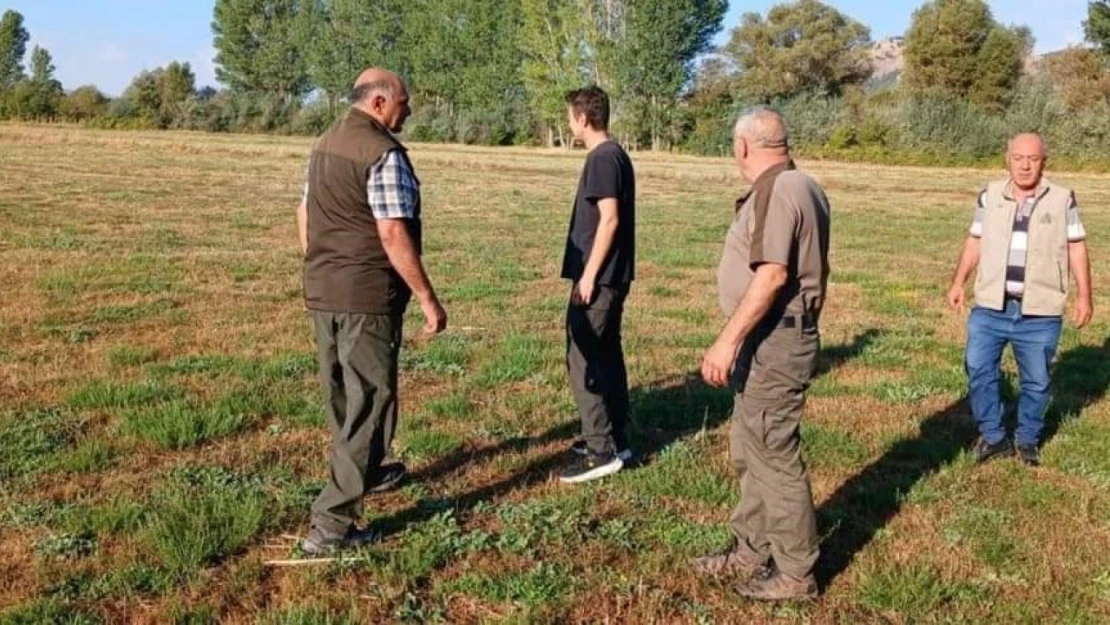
point(806, 321)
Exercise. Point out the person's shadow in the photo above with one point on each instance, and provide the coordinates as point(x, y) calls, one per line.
point(664, 411)
point(864, 504)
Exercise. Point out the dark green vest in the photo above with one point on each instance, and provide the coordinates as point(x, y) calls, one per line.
point(346, 268)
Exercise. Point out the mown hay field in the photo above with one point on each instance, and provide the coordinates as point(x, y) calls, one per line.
point(161, 435)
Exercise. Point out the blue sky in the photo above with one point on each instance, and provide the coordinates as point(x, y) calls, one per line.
point(107, 42)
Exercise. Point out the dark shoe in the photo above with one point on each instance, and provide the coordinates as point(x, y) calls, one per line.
point(770, 584)
point(591, 467)
point(389, 477)
point(579, 447)
point(731, 562)
point(1029, 454)
point(320, 543)
point(985, 452)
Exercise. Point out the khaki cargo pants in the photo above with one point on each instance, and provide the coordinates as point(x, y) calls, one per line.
point(775, 517)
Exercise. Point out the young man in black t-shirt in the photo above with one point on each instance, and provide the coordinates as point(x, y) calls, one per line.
point(600, 262)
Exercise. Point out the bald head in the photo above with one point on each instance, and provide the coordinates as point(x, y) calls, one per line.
point(764, 129)
point(760, 141)
point(376, 81)
point(1027, 143)
point(382, 94)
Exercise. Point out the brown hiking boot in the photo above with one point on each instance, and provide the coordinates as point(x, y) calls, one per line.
point(770, 584)
point(731, 562)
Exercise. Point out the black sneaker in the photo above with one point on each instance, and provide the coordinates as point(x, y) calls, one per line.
point(591, 467)
point(320, 543)
point(1029, 455)
point(579, 447)
point(389, 477)
point(985, 452)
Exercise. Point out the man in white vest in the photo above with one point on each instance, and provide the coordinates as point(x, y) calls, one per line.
point(1027, 242)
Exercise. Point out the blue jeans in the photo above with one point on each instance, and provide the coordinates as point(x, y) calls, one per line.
point(1034, 341)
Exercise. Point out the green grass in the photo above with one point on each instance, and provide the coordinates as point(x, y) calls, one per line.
point(33, 439)
point(682, 473)
point(189, 529)
point(47, 611)
point(455, 406)
point(988, 533)
point(110, 394)
point(427, 444)
point(519, 357)
point(306, 615)
point(163, 432)
point(913, 591)
point(179, 424)
point(541, 585)
point(444, 355)
point(131, 355)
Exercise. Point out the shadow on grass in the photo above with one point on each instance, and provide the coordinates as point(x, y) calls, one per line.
point(665, 411)
point(863, 505)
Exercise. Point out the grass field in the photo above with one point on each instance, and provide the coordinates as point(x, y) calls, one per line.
point(161, 435)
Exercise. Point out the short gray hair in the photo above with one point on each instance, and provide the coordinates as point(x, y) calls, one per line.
point(366, 90)
point(764, 127)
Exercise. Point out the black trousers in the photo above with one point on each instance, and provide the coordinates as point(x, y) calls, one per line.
point(595, 365)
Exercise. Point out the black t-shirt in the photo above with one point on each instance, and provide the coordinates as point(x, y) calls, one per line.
point(607, 174)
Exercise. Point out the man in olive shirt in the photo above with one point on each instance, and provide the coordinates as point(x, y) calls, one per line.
point(772, 280)
point(361, 234)
point(600, 263)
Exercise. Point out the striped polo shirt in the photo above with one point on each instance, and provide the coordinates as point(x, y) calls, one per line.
point(1019, 239)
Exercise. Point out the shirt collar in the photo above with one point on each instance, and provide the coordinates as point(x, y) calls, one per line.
point(764, 179)
point(1042, 188)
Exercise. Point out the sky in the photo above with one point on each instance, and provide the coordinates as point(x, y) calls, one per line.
point(108, 42)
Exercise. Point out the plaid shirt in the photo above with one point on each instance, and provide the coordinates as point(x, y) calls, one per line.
point(392, 189)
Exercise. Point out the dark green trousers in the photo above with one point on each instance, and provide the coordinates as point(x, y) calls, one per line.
point(775, 517)
point(357, 354)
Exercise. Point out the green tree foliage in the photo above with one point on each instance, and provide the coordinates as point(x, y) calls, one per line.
point(464, 61)
point(710, 106)
point(39, 96)
point(1097, 25)
point(163, 95)
point(1000, 63)
point(661, 40)
point(955, 49)
point(554, 49)
point(804, 46)
point(84, 104)
point(340, 38)
point(13, 46)
point(257, 47)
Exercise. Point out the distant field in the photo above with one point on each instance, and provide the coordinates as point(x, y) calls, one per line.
point(161, 436)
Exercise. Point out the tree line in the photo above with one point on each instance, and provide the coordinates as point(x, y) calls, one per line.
point(494, 72)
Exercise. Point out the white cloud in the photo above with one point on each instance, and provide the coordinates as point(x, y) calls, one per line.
point(111, 53)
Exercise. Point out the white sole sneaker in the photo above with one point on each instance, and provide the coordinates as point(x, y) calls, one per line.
point(625, 454)
point(597, 472)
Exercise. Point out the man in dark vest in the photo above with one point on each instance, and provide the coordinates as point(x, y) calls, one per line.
point(360, 230)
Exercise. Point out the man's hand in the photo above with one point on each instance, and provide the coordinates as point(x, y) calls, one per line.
point(435, 317)
point(583, 292)
point(716, 365)
point(956, 297)
point(1084, 310)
